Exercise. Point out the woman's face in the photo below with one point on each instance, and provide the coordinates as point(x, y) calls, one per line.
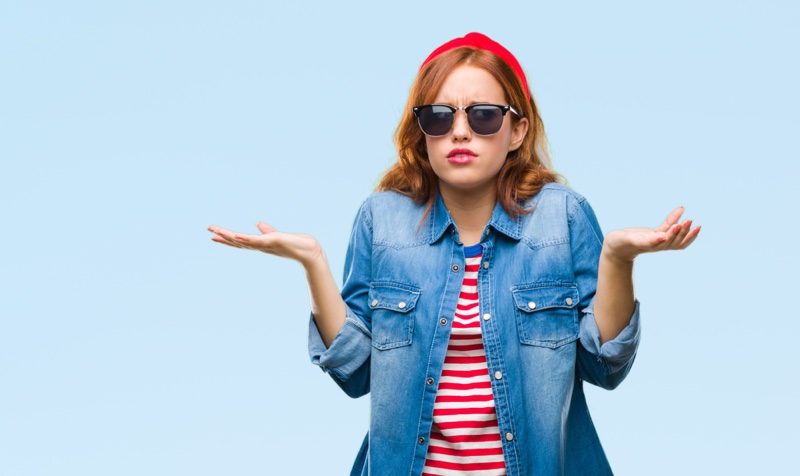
point(467, 164)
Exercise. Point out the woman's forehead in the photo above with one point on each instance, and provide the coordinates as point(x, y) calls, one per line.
point(469, 84)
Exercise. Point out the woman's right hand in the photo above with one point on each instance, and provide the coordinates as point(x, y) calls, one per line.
point(327, 305)
point(303, 248)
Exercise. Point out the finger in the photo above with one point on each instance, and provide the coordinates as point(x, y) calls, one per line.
point(217, 239)
point(656, 242)
point(672, 234)
point(220, 231)
point(683, 230)
point(671, 219)
point(690, 237)
point(229, 237)
point(264, 228)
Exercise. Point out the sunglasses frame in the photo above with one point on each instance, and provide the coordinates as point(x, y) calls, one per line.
point(503, 109)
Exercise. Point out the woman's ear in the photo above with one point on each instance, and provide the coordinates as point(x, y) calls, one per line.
point(518, 132)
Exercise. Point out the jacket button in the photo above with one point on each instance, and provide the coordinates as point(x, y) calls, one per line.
point(532, 305)
point(443, 321)
point(498, 375)
point(487, 316)
point(486, 232)
point(374, 302)
point(485, 265)
point(401, 305)
point(569, 301)
point(455, 267)
point(430, 381)
point(509, 436)
point(421, 440)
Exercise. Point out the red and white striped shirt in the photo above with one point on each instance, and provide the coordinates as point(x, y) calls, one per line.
point(465, 438)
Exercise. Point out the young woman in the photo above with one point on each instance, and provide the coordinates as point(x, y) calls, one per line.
point(478, 293)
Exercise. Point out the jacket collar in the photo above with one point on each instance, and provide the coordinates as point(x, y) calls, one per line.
point(439, 221)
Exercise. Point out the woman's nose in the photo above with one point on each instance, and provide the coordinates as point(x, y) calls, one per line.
point(461, 129)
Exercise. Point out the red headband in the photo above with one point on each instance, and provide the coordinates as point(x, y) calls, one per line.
point(483, 42)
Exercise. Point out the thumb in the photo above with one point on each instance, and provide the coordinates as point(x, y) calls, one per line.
point(264, 228)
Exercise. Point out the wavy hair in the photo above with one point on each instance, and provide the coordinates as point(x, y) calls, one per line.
point(526, 169)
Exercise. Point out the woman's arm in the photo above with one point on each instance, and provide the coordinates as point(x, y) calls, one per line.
point(327, 304)
point(614, 301)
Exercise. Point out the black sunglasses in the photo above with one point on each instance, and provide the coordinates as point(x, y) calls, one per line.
point(484, 119)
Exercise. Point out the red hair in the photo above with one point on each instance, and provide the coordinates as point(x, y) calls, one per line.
point(526, 169)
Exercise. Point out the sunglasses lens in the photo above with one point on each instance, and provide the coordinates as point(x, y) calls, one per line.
point(485, 120)
point(435, 120)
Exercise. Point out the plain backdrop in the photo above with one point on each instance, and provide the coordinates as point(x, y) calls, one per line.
point(131, 344)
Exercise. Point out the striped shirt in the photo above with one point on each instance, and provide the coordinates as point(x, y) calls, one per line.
point(465, 438)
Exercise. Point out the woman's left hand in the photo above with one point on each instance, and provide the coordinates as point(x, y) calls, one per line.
point(626, 244)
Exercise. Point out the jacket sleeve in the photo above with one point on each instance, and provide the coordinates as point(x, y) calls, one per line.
point(347, 360)
point(603, 365)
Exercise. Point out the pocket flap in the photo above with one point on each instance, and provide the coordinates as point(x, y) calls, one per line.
point(545, 296)
point(392, 297)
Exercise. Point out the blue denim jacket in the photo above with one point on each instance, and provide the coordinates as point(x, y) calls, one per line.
point(536, 284)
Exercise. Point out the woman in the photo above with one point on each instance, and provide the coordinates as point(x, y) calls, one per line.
point(478, 293)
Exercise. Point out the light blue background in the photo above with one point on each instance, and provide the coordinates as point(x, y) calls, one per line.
point(131, 344)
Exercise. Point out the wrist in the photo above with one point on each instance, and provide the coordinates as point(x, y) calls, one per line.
point(315, 261)
point(615, 257)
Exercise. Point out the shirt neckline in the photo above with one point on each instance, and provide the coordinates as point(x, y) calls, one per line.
point(472, 251)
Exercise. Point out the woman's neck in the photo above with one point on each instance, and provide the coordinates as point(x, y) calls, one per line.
point(470, 212)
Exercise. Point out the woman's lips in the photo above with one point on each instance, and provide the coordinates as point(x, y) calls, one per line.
point(461, 156)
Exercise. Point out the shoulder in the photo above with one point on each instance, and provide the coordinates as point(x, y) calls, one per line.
point(557, 211)
point(554, 193)
point(394, 218)
point(563, 198)
point(380, 204)
point(556, 198)
point(379, 200)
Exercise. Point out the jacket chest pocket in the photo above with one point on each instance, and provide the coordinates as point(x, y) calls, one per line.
point(392, 314)
point(547, 314)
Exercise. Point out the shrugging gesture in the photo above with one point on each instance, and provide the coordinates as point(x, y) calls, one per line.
point(628, 243)
point(302, 248)
point(475, 281)
point(327, 304)
point(614, 302)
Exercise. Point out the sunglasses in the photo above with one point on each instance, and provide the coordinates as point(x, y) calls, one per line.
point(436, 120)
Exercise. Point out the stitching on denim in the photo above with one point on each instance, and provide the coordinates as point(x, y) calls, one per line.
point(435, 233)
point(430, 357)
point(495, 342)
point(412, 293)
point(521, 311)
point(399, 246)
point(361, 326)
point(515, 234)
point(579, 204)
point(367, 215)
point(394, 284)
point(571, 213)
point(544, 243)
point(432, 218)
point(544, 284)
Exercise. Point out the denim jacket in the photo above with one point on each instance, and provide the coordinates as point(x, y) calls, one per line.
point(536, 283)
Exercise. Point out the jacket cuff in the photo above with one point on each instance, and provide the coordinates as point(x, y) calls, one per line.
point(618, 352)
point(349, 350)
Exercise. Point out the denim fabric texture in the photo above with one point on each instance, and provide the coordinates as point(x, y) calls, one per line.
point(536, 283)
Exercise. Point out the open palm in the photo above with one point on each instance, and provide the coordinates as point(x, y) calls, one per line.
point(299, 247)
point(627, 243)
